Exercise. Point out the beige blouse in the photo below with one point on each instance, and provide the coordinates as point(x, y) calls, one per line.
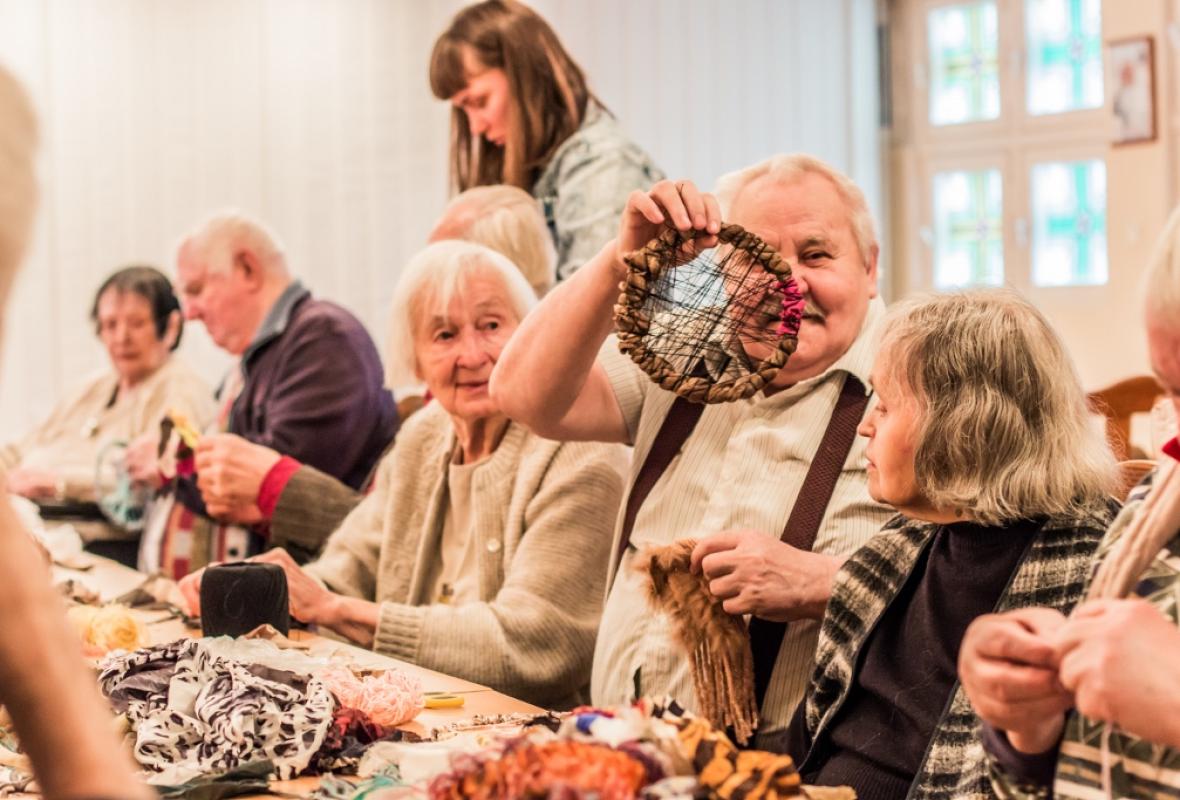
point(69, 441)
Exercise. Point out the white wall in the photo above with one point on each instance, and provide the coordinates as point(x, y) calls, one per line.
point(316, 116)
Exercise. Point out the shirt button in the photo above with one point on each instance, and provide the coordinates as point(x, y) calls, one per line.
point(494, 546)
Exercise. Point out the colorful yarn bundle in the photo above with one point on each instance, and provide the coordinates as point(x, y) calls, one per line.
point(388, 698)
point(106, 628)
point(550, 769)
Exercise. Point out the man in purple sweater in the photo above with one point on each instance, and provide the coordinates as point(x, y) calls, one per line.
point(309, 383)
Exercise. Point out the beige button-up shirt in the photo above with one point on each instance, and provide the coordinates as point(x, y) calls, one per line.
point(742, 467)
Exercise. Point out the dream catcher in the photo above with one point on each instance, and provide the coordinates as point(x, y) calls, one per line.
point(712, 327)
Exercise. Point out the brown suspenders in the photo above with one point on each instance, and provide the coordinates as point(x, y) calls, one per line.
point(805, 518)
point(803, 523)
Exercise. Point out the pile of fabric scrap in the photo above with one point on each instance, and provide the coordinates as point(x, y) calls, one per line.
point(199, 707)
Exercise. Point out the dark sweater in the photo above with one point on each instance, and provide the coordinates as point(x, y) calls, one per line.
point(907, 669)
point(314, 390)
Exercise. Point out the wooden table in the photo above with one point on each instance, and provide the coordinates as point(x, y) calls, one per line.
point(111, 580)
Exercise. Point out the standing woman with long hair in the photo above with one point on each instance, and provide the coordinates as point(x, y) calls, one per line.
point(523, 115)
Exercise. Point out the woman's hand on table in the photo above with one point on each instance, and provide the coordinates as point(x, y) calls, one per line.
point(310, 602)
point(35, 484)
point(190, 590)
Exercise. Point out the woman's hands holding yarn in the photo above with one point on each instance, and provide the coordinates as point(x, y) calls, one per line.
point(1112, 660)
point(141, 460)
point(309, 600)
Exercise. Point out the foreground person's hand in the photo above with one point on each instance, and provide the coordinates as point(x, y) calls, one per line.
point(1118, 658)
point(1008, 668)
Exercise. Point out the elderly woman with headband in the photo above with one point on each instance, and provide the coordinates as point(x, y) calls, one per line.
point(981, 439)
point(1089, 706)
point(43, 682)
point(481, 551)
point(523, 114)
point(302, 504)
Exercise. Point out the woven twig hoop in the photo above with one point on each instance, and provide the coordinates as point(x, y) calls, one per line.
point(632, 322)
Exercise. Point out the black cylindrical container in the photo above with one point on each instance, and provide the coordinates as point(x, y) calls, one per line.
point(237, 598)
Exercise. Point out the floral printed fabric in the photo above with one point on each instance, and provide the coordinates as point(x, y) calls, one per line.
point(193, 712)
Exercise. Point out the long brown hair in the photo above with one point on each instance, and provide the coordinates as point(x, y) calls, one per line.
point(548, 92)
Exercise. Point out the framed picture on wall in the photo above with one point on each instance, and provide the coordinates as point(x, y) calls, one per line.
point(1132, 89)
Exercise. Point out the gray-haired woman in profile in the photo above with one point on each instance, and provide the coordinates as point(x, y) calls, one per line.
point(980, 438)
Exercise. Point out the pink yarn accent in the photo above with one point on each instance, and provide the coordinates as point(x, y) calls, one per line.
point(793, 303)
point(388, 698)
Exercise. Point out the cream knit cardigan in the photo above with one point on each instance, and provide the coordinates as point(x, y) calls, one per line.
point(544, 514)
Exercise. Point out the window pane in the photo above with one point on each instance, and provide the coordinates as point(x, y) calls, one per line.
point(1069, 223)
point(964, 74)
point(1064, 40)
point(968, 229)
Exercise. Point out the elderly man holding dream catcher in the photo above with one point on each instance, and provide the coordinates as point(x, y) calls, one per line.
point(775, 329)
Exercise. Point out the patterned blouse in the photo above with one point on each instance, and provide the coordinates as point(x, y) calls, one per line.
point(584, 187)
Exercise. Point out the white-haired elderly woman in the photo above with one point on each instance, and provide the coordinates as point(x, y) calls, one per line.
point(1089, 706)
point(980, 438)
point(481, 551)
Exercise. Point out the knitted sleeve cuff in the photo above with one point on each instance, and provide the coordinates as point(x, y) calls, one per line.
point(399, 631)
point(1028, 769)
point(274, 483)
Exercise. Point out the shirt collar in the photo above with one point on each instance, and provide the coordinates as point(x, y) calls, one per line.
point(277, 318)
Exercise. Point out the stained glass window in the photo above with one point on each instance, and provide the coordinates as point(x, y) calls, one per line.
point(964, 71)
point(1069, 223)
point(1064, 39)
point(968, 229)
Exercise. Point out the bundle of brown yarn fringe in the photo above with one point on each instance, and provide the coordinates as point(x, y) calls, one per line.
point(717, 643)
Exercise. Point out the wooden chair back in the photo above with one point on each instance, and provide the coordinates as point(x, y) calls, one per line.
point(408, 405)
point(1117, 403)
